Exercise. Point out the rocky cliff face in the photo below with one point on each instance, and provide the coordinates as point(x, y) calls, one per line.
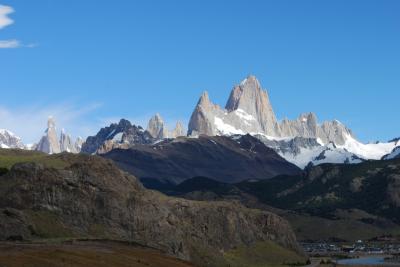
point(66, 143)
point(157, 127)
point(250, 98)
point(249, 110)
point(51, 144)
point(10, 140)
point(202, 119)
point(117, 135)
point(159, 130)
point(78, 144)
point(90, 197)
point(178, 131)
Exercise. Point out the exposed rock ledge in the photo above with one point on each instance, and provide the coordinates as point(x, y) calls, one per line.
point(93, 198)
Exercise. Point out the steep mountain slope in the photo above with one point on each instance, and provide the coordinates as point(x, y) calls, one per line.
point(87, 196)
point(395, 153)
point(308, 151)
point(219, 157)
point(159, 130)
point(10, 140)
point(157, 127)
point(123, 134)
point(357, 201)
point(305, 151)
point(51, 144)
point(371, 186)
point(248, 110)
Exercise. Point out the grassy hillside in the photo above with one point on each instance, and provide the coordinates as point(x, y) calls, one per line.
point(84, 254)
point(88, 197)
point(9, 157)
point(263, 254)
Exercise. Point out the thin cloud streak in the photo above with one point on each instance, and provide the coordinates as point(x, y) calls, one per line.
point(30, 122)
point(4, 44)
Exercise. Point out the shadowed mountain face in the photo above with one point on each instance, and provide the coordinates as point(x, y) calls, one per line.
point(221, 158)
point(371, 186)
point(359, 201)
point(88, 196)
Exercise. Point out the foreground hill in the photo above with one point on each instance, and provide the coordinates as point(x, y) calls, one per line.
point(81, 196)
point(338, 202)
point(84, 254)
point(221, 158)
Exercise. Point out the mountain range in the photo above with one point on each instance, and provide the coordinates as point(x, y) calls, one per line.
point(239, 186)
point(248, 110)
point(301, 141)
point(325, 202)
point(219, 157)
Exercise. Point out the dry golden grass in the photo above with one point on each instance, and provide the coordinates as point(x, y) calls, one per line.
point(84, 254)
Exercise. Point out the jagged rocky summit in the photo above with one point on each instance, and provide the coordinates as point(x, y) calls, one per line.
point(117, 135)
point(125, 135)
point(249, 111)
point(159, 130)
point(51, 144)
point(10, 140)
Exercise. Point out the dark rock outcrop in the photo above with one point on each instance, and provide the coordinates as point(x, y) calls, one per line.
point(123, 134)
point(93, 198)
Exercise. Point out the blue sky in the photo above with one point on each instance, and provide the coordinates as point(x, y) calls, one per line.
point(91, 62)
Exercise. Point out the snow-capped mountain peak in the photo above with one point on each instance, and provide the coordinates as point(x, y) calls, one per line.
point(9, 140)
point(249, 110)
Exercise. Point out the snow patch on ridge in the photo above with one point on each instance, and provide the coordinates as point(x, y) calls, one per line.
point(224, 128)
point(320, 155)
point(244, 115)
point(368, 151)
point(394, 154)
point(118, 137)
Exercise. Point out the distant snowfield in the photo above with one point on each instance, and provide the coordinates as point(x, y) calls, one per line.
point(352, 151)
point(369, 151)
point(330, 155)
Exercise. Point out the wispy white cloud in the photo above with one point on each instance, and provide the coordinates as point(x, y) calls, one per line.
point(30, 122)
point(4, 19)
point(4, 44)
point(9, 44)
